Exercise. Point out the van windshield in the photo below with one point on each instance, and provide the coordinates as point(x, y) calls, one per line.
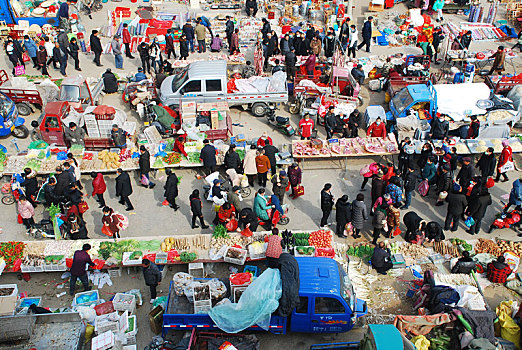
point(347, 291)
point(402, 100)
point(70, 93)
point(179, 79)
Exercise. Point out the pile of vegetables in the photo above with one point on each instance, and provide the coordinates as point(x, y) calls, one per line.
point(220, 231)
point(110, 160)
point(11, 251)
point(443, 248)
point(76, 149)
point(172, 158)
point(487, 246)
point(34, 164)
point(188, 257)
point(137, 255)
point(116, 249)
point(301, 239)
point(440, 341)
point(515, 247)
point(3, 160)
point(54, 259)
point(362, 251)
point(460, 242)
point(309, 251)
point(158, 163)
point(193, 157)
point(413, 250)
point(320, 239)
point(241, 153)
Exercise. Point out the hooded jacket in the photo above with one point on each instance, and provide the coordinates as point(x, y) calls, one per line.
point(123, 185)
point(171, 187)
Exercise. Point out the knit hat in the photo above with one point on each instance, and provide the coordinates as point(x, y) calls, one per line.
point(505, 143)
point(282, 173)
point(466, 159)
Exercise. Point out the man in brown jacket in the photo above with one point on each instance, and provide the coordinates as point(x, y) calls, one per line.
point(316, 45)
point(498, 63)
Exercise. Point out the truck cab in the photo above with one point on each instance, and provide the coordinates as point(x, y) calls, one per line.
point(327, 299)
point(417, 96)
point(203, 81)
point(77, 92)
point(49, 125)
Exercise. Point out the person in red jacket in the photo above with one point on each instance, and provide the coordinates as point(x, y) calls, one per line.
point(264, 140)
point(306, 125)
point(126, 38)
point(99, 188)
point(474, 128)
point(377, 129)
point(505, 156)
point(179, 146)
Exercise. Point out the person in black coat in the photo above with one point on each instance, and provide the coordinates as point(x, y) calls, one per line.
point(465, 174)
point(414, 223)
point(270, 42)
point(208, 157)
point(439, 128)
point(96, 47)
point(329, 44)
point(124, 188)
point(251, 8)
point(327, 202)
point(30, 186)
point(144, 50)
point(434, 232)
point(171, 189)
point(290, 61)
point(73, 51)
point(75, 227)
point(343, 215)
point(73, 194)
point(144, 164)
point(366, 34)
point(183, 48)
point(266, 28)
point(232, 160)
point(50, 192)
point(378, 187)
point(110, 82)
point(196, 209)
point(487, 163)
point(457, 203)
point(63, 180)
point(270, 152)
point(477, 209)
point(464, 264)
point(247, 219)
point(300, 46)
point(444, 182)
point(381, 259)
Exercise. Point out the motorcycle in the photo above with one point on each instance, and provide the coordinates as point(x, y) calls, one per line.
point(507, 219)
point(280, 123)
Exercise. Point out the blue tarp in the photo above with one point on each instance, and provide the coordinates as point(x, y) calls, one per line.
point(256, 305)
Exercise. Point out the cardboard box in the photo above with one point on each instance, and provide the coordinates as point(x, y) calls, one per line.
point(8, 302)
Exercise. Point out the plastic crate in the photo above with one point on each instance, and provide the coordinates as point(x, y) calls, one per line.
point(196, 270)
point(124, 302)
point(238, 261)
point(55, 267)
point(161, 258)
point(254, 256)
point(238, 292)
point(296, 253)
point(93, 294)
point(252, 269)
point(202, 307)
point(114, 272)
point(8, 302)
point(325, 252)
point(29, 269)
point(133, 325)
point(106, 325)
point(103, 341)
point(203, 286)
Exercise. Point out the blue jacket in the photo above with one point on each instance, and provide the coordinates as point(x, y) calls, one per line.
point(515, 196)
point(139, 77)
point(63, 11)
point(30, 47)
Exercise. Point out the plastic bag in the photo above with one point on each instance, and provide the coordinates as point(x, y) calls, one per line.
point(420, 342)
point(423, 188)
point(217, 288)
point(144, 180)
point(256, 305)
point(505, 326)
point(469, 222)
point(86, 313)
point(216, 255)
point(181, 279)
point(137, 294)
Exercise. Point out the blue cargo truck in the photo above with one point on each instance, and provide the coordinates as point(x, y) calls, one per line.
point(327, 304)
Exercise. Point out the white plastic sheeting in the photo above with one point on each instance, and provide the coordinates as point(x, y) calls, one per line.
point(460, 100)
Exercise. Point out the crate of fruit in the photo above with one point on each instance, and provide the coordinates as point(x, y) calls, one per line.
point(201, 292)
point(325, 252)
point(235, 255)
point(55, 263)
point(124, 302)
point(304, 251)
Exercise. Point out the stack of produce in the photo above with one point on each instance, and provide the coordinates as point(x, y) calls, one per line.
point(487, 246)
point(110, 160)
point(198, 242)
point(188, 257)
point(10, 252)
point(507, 246)
point(193, 157)
point(321, 239)
point(363, 251)
point(413, 250)
point(172, 158)
point(445, 248)
point(301, 239)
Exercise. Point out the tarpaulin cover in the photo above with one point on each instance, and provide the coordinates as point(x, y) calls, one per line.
point(257, 303)
point(460, 100)
point(420, 325)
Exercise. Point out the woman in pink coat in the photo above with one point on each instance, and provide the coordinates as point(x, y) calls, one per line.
point(26, 211)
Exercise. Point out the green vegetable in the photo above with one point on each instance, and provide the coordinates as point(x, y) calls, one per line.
point(220, 231)
point(135, 255)
point(187, 257)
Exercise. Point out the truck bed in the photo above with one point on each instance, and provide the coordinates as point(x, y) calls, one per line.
point(397, 84)
point(180, 315)
point(237, 99)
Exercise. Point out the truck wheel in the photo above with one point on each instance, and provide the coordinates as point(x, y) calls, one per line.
point(24, 109)
point(259, 109)
point(20, 132)
point(35, 136)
